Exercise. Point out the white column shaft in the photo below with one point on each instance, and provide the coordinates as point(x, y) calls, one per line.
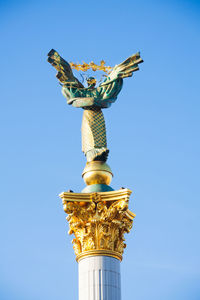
point(99, 278)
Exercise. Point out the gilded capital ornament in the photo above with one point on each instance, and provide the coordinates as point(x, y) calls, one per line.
point(98, 222)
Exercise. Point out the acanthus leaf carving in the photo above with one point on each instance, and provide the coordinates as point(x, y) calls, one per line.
point(98, 224)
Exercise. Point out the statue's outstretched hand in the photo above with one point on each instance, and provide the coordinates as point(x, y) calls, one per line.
point(125, 69)
point(65, 74)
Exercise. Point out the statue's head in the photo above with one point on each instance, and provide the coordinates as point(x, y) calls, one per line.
point(91, 81)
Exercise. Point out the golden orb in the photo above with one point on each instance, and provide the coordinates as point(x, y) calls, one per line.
point(97, 172)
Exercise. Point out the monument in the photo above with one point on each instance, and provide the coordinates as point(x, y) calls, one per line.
point(98, 216)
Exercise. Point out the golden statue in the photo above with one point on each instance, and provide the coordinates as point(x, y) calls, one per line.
point(92, 99)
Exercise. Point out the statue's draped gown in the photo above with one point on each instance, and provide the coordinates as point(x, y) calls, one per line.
point(93, 130)
point(94, 143)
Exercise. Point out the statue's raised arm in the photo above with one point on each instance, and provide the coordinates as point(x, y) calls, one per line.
point(125, 69)
point(65, 74)
point(108, 91)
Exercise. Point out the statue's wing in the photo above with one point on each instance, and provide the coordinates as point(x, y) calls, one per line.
point(125, 69)
point(64, 74)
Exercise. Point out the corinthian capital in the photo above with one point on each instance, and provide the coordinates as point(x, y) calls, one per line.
point(98, 222)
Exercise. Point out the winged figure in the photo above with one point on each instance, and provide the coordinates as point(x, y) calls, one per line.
point(92, 99)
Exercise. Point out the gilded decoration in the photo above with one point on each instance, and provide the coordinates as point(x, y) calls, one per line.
point(98, 221)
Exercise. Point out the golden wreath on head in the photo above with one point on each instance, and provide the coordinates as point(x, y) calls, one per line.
point(84, 67)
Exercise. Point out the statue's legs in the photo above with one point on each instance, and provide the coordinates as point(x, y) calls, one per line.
point(94, 143)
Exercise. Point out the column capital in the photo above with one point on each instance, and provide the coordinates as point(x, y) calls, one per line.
point(98, 221)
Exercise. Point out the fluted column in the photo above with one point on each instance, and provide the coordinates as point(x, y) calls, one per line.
point(99, 278)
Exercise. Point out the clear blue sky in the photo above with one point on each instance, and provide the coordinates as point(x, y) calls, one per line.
point(153, 136)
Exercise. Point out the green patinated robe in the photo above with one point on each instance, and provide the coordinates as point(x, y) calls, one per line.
point(94, 143)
